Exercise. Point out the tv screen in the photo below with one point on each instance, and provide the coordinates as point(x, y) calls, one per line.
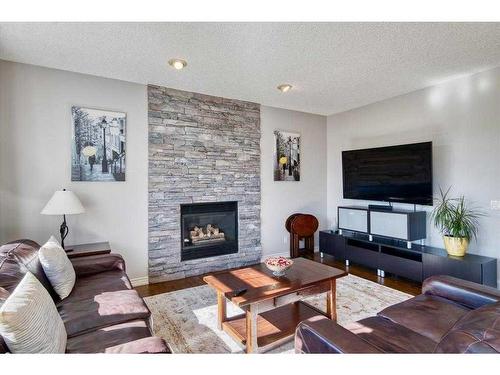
point(393, 174)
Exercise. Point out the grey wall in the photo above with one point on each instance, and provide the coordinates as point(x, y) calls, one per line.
point(35, 160)
point(461, 118)
point(282, 198)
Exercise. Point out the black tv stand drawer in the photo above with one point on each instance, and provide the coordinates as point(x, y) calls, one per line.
point(401, 262)
point(362, 253)
point(362, 245)
point(404, 254)
point(416, 263)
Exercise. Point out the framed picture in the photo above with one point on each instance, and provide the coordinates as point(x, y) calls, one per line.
point(286, 156)
point(98, 149)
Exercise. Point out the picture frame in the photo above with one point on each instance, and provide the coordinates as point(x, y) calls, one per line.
point(287, 155)
point(98, 144)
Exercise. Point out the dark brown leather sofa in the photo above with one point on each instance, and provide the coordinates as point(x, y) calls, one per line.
point(450, 316)
point(103, 314)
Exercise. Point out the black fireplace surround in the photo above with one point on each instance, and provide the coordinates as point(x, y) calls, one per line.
point(221, 215)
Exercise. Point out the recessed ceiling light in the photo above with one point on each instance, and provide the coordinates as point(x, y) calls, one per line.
point(177, 63)
point(285, 87)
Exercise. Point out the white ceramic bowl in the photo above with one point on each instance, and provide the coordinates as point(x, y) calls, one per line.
point(278, 265)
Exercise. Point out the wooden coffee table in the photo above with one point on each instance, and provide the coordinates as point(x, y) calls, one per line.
point(272, 305)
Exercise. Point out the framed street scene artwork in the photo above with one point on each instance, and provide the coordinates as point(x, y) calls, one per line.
point(98, 150)
point(286, 156)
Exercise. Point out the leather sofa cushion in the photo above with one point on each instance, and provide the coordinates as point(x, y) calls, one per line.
point(428, 315)
point(18, 257)
point(147, 345)
point(390, 337)
point(102, 310)
point(90, 286)
point(10, 274)
point(476, 332)
point(93, 264)
point(129, 337)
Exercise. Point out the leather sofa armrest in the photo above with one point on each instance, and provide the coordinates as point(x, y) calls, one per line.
point(466, 293)
point(85, 266)
point(322, 335)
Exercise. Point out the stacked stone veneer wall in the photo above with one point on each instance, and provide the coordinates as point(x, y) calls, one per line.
point(201, 149)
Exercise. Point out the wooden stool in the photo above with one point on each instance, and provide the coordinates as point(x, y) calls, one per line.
point(301, 226)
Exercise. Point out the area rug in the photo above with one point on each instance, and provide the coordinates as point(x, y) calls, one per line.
point(187, 319)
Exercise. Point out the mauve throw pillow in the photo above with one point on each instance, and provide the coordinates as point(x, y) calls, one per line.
point(57, 267)
point(29, 322)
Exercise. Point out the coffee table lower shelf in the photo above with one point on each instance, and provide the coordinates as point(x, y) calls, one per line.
point(274, 327)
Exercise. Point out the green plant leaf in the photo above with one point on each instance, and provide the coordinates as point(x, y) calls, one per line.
point(453, 217)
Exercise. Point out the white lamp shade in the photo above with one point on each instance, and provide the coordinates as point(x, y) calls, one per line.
point(63, 202)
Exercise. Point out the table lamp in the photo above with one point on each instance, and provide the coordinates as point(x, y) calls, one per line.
point(63, 202)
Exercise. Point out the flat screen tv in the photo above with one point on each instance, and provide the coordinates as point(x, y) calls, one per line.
point(393, 174)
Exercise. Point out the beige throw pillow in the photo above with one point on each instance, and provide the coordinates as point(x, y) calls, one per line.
point(57, 267)
point(29, 322)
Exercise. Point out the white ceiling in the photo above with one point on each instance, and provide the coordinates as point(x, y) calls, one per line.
point(332, 66)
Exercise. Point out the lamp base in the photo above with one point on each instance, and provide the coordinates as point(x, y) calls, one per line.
point(63, 230)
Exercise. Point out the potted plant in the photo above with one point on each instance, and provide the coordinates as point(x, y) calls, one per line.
point(457, 222)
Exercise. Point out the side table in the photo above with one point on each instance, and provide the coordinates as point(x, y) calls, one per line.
point(87, 249)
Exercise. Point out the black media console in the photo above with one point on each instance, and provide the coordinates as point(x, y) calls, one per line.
point(416, 263)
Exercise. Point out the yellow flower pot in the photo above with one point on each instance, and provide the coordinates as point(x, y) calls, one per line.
point(456, 246)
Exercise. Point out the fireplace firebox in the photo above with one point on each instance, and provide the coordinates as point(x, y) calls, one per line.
point(208, 229)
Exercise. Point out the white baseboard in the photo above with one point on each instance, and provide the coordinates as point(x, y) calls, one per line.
point(139, 281)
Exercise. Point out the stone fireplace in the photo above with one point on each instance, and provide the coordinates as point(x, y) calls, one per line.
point(209, 229)
point(203, 150)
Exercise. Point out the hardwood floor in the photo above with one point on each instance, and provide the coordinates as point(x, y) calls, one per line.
point(403, 285)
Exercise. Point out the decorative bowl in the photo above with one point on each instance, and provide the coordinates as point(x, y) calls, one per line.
point(278, 265)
